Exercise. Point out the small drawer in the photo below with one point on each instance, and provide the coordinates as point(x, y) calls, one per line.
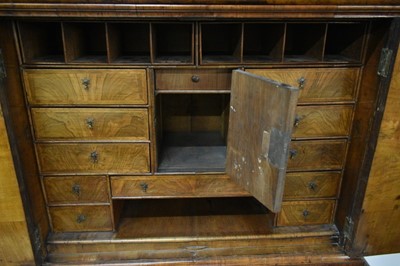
point(316, 155)
point(94, 158)
point(81, 218)
point(193, 79)
point(76, 189)
point(83, 86)
point(322, 121)
point(90, 123)
point(169, 186)
point(311, 185)
point(317, 84)
point(306, 213)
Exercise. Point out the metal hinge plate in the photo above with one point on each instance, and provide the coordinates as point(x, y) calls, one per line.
point(3, 73)
point(384, 62)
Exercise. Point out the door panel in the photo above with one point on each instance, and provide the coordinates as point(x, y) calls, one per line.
point(261, 119)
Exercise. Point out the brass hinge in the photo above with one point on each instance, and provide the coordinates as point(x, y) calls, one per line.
point(384, 62)
point(348, 228)
point(3, 73)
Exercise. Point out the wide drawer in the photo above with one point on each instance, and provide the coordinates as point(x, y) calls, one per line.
point(306, 213)
point(94, 158)
point(317, 155)
point(193, 79)
point(90, 123)
point(322, 121)
point(317, 84)
point(83, 86)
point(81, 218)
point(76, 189)
point(311, 185)
point(170, 186)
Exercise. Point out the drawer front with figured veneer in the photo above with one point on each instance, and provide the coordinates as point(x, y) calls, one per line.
point(317, 84)
point(301, 185)
point(76, 189)
point(90, 123)
point(81, 218)
point(316, 155)
point(75, 87)
point(322, 121)
point(193, 79)
point(306, 213)
point(94, 158)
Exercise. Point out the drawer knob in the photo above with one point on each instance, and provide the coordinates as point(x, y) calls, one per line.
point(86, 83)
point(76, 189)
point(195, 78)
point(94, 156)
point(90, 123)
point(301, 82)
point(306, 213)
point(312, 186)
point(80, 218)
point(292, 154)
point(297, 120)
point(144, 186)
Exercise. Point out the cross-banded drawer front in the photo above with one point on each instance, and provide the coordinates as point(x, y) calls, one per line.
point(317, 84)
point(90, 123)
point(105, 86)
point(81, 218)
point(76, 189)
point(94, 158)
point(193, 79)
point(306, 212)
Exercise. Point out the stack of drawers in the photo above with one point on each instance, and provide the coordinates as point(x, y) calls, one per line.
point(319, 141)
point(88, 124)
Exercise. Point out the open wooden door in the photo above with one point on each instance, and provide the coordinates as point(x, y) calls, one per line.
point(262, 113)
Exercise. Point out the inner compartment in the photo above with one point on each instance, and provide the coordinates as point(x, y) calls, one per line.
point(193, 217)
point(41, 42)
point(221, 42)
point(129, 42)
point(192, 132)
point(173, 42)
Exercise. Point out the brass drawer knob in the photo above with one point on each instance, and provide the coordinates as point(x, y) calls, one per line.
point(297, 120)
point(195, 78)
point(86, 83)
point(144, 186)
point(312, 186)
point(306, 213)
point(89, 123)
point(76, 189)
point(80, 218)
point(292, 154)
point(301, 82)
point(94, 156)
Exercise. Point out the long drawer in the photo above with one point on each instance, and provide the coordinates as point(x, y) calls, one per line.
point(317, 155)
point(81, 218)
point(90, 123)
point(193, 79)
point(94, 157)
point(322, 121)
point(76, 189)
point(306, 212)
point(170, 186)
point(317, 84)
point(301, 185)
point(83, 86)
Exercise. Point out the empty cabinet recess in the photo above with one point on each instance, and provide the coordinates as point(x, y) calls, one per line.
point(173, 43)
point(129, 42)
point(263, 42)
point(221, 43)
point(41, 42)
point(85, 42)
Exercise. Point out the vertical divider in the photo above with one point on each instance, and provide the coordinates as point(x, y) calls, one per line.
point(108, 46)
point(324, 42)
point(241, 42)
point(199, 42)
point(64, 40)
point(284, 42)
point(196, 46)
point(152, 43)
